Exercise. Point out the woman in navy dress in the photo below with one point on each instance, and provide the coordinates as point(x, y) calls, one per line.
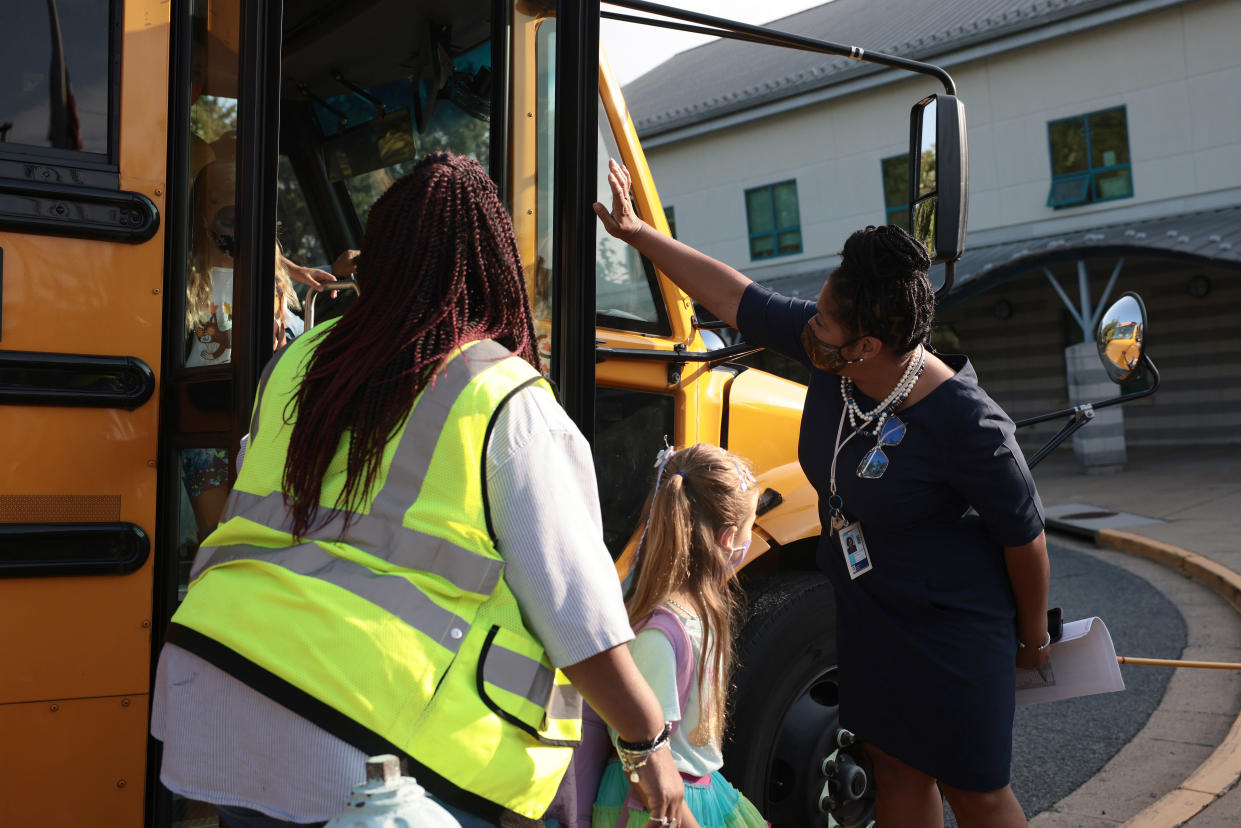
point(938, 561)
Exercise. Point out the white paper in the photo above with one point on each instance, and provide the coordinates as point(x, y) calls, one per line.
point(1082, 663)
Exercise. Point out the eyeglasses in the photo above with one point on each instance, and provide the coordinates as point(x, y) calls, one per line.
point(875, 463)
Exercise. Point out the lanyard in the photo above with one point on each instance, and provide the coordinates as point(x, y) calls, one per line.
point(835, 502)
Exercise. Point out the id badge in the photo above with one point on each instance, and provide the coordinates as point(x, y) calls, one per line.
point(853, 547)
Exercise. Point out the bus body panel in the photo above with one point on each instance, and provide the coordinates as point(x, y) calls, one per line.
point(74, 762)
point(73, 698)
point(764, 418)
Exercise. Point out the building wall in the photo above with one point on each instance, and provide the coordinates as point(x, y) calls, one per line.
point(1194, 342)
point(1176, 72)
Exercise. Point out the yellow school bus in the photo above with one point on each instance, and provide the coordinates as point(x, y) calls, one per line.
point(153, 154)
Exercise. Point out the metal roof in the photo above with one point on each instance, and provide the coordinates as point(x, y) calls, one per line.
point(1207, 237)
point(725, 76)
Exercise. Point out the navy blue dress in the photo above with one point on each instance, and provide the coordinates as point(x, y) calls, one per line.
point(927, 639)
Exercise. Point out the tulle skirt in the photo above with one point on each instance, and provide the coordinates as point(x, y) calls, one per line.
point(713, 801)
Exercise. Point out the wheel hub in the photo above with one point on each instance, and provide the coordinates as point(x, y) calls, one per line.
point(818, 777)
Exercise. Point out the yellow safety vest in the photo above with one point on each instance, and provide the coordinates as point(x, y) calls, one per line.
point(400, 635)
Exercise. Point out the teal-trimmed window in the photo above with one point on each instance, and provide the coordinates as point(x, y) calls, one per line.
point(896, 190)
point(670, 214)
point(774, 220)
point(1089, 158)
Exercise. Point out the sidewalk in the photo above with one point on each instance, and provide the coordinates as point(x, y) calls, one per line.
point(1168, 501)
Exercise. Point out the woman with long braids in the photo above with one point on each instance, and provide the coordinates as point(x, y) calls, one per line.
point(411, 560)
point(932, 528)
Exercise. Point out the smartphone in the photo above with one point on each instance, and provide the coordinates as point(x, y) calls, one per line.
point(1055, 623)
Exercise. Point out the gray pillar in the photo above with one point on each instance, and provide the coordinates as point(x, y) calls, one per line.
point(1100, 445)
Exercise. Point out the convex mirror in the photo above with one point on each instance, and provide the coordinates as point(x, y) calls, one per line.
point(1121, 337)
point(938, 176)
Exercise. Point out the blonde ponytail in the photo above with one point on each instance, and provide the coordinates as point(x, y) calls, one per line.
point(700, 491)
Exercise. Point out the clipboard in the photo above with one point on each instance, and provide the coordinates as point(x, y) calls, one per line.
point(1082, 663)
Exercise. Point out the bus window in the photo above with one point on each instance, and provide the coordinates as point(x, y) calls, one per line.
point(630, 429)
point(626, 290)
point(544, 276)
point(209, 266)
point(626, 293)
point(211, 236)
point(55, 58)
point(295, 229)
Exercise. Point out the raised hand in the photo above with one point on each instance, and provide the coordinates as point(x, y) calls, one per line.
point(621, 222)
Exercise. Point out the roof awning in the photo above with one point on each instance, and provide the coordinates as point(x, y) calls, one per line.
point(1210, 237)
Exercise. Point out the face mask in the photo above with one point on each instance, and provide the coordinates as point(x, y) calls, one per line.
point(738, 555)
point(222, 228)
point(823, 356)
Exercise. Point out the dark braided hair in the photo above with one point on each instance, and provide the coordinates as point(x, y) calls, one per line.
point(440, 269)
point(882, 288)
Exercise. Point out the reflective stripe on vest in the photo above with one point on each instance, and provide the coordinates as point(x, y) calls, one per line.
point(525, 677)
point(383, 538)
point(390, 592)
point(413, 636)
point(381, 532)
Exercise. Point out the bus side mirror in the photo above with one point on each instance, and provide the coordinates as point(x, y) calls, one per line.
point(938, 176)
point(1121, 337)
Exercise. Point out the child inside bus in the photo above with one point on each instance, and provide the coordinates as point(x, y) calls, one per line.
point(209, 314)
point(209, 276)
point(697, 532)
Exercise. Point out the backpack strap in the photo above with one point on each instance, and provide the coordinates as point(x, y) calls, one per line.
point(572, 806)
point(673, 628)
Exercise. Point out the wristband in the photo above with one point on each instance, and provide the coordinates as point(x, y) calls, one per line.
point(642, 747)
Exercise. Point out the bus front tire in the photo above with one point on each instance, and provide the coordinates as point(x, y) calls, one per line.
point(784, 718)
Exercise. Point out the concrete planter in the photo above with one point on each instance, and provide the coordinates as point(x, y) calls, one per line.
point(1100, 445)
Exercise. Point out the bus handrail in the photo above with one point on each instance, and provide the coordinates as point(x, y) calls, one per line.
point(341, 284)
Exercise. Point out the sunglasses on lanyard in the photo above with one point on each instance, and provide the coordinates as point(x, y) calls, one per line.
point(875, 463)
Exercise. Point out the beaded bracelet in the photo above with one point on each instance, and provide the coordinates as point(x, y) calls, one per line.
point(1043, 646)
point(634, 755)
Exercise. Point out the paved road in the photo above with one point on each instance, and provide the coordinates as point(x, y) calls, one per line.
point(1060, 745)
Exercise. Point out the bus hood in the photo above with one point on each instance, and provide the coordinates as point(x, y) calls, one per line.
point(764, 421)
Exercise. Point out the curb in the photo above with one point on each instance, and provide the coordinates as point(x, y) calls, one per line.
point(1221, 770)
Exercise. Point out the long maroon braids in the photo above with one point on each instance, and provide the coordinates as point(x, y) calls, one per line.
point(439, 268)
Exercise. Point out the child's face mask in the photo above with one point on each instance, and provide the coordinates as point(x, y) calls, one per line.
point(737, 555)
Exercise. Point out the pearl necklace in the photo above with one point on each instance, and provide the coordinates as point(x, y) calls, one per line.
point(859, 419)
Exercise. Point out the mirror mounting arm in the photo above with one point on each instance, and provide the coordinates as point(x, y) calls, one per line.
point(731, 29)
point(360, 92)
point(341, 117)
point(1084, 413)
point(1081, 415)
point(950, 274)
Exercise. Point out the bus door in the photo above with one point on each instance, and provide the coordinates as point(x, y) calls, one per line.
point(288, 122)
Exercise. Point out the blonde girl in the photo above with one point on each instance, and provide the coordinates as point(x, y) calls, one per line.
point(698, 520)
